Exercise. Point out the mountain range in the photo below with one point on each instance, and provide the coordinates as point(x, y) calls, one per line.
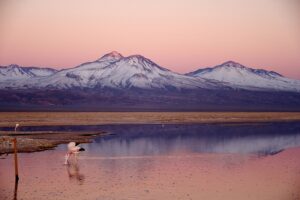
point(115, 82)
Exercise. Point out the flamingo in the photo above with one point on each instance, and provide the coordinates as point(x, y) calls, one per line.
point(16, 127)
point(73, 150)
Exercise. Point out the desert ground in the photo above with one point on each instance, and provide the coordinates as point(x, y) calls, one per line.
point(9, 119)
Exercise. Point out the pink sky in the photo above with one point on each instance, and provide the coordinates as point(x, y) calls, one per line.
point(182, 35)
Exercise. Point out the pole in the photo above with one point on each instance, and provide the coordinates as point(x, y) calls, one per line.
point(16, 191)
point(16, 159)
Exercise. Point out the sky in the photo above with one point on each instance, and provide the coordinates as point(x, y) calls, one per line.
point(181, 35)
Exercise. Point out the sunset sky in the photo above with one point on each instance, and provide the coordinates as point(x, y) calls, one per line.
point(181, 35)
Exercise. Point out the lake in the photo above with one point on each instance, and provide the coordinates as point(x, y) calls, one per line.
point(164, 161)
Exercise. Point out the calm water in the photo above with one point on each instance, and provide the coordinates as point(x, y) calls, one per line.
point(212, 161)
point(149, 140)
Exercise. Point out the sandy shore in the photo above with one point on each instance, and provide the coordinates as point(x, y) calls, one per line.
point(9, 119)
point(39, 141)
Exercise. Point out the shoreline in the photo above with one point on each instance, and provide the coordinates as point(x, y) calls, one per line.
point(29, 142)
point(9, 119)
point(32, 141)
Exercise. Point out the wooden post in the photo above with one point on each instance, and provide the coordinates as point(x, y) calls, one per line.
point(16, 191)
point(16, 159)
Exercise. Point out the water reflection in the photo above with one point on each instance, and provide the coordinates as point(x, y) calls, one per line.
point(171, 164)
point(74, 172)
point(168, 139)
point(147, 140)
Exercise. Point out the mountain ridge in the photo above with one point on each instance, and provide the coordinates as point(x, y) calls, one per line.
point(114, 82)
point(14, 71)
point(115, 71)
point(141, 72)
point(240, 76)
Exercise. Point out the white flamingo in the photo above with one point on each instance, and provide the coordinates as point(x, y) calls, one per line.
point(73, 150)
point(16, 127)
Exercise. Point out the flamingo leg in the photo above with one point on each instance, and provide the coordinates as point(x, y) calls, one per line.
point(67, 156)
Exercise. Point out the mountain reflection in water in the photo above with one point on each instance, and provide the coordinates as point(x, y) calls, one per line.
point(147, 140)
point(170, 139)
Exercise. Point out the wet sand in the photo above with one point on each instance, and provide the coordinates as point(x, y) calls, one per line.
point(9, 119)
point(192, 176)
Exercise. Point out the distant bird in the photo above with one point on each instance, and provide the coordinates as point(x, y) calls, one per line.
point(16, 127)
point(73, 150)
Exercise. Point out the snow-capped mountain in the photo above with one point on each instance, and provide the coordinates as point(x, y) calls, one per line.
point(238, 76)
point(16, 72)
point(114, 82)
point(115, 71)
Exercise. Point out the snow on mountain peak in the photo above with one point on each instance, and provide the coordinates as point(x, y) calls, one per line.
point(239, 76)
point(115, 71)
point(16, 72)
point(141, 61)
point(112, 56)
point(231, 64)
point(13, 66)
